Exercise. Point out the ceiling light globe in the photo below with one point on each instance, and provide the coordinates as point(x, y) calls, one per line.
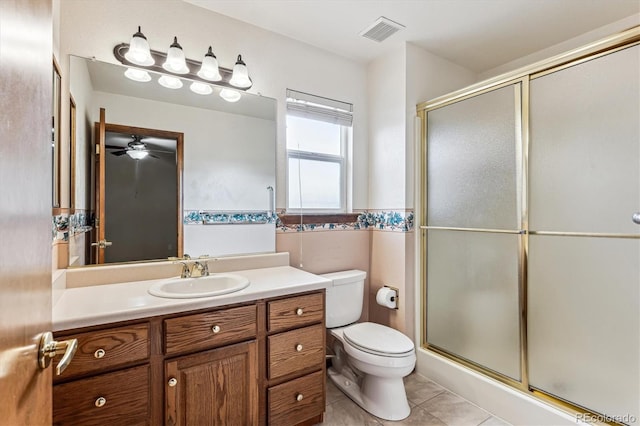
point(137, 154)
point(230, 95)
point(201, 88)
point(139, 52)
point(240, 77)
point(137, 75)
point(170, 82)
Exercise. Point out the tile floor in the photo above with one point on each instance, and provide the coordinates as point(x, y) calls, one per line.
point(431, 405)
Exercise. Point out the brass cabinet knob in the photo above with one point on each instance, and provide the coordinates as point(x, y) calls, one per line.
point(298, 347)
point(100, 402)
point(299, 397)
point(172, 382)
point(299, 312)
point(215, 329)
point(100, 353)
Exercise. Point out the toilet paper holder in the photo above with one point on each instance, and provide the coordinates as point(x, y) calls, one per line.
point(397, 295)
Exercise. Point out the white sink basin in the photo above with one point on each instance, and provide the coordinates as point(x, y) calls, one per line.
point(187, 288)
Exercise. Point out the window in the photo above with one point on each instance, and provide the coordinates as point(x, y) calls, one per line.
point(318, 137)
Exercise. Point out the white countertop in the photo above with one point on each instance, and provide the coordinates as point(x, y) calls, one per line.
point(103, 304)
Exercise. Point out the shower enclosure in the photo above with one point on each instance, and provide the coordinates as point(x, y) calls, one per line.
point(530, 228)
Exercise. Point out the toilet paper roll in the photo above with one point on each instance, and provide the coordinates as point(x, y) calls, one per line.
point(387, 297)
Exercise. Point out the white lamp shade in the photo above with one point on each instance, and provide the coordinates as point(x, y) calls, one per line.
point(201, 88)
point(137, 154)
point(175, 62)
point(230, 95)
point(209, 69)
point(139, 52)
point(170, 82)
point(137, 75)
point(240, 76)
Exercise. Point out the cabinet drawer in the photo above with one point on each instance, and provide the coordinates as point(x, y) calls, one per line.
point(297, 400)
point(296, 350)
point(295, 311)
point(105, 349)
point(125, 399)
point(210, 329)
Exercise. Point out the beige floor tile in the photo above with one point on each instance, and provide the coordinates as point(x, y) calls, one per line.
point(454, 410)
point(348, 413)
point(418, 417)
point(333, 393)
point(419, 389)
point(494, 421)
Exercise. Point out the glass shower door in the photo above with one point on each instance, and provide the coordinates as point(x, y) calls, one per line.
point(473, 229)
point(584, 248)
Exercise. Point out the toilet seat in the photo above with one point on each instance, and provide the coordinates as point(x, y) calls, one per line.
point(377, 339)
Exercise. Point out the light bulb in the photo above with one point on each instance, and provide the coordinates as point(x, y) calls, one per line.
point(139, 52)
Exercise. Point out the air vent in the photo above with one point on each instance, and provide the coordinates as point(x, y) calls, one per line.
point(381, 29)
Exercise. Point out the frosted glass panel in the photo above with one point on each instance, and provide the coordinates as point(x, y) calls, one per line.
point(472, 298)
point(585, 146)
point(584, 321)
point(472, 157)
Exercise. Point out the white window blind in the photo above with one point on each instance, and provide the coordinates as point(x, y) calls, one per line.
point(314, 107)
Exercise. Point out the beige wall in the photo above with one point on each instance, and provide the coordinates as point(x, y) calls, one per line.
point(320, 252)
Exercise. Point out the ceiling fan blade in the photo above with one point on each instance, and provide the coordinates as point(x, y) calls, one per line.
point(113, 147)
point(154, 156)
point(119, 153)
point(162, 151)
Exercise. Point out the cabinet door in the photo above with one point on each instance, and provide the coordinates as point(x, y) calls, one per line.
point(218, 387)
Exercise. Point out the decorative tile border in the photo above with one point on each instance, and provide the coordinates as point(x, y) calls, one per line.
point(380, 221)
point(200, 217)
point(65, 225)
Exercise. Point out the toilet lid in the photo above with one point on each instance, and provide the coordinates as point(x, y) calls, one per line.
point(378, 339)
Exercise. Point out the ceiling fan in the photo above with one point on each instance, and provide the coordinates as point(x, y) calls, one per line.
point(135, 149)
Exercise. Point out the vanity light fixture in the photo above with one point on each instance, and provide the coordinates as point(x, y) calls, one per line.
point(174, 62)
point(201, 88)
point(240, 77)
point(210, 70)
point(137, 75)
point(139, 52)
point(230, 95)
point(170, 82)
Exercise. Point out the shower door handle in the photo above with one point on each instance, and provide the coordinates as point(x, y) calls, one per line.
point(636, 218)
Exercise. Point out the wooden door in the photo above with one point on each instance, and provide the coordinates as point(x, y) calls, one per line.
point(218, 387)
point(25, 206)
point(100, 134)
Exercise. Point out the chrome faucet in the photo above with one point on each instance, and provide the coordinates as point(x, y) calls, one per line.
point(199, 269)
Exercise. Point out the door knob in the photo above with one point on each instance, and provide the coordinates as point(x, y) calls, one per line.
point(636, 218)
point(102, 244)
point(49, 348)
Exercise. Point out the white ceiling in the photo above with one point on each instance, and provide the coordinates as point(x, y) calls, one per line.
point(477, 34)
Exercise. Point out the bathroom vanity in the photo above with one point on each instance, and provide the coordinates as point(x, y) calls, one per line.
point(252, 357)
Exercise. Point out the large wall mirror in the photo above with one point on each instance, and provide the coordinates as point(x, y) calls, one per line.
point(204, 185)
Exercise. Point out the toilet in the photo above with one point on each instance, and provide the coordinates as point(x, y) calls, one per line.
point(370, 359)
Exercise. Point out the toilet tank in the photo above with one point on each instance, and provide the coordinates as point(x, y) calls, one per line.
point(343, 304)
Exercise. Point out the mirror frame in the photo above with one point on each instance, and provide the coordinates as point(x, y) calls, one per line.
point(56, 152)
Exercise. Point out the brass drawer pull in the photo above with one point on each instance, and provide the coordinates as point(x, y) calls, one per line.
point(215, 329)
point(172, 382)
point(298, 347)
point(299, 397)
point(299, 312)
point(99, 353)
point(100, 402)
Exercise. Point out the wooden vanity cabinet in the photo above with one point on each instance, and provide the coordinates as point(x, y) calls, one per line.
point(295, 385)
point(251, 364)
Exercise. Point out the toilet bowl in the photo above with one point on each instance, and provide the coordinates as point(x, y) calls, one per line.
point(371, 359)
